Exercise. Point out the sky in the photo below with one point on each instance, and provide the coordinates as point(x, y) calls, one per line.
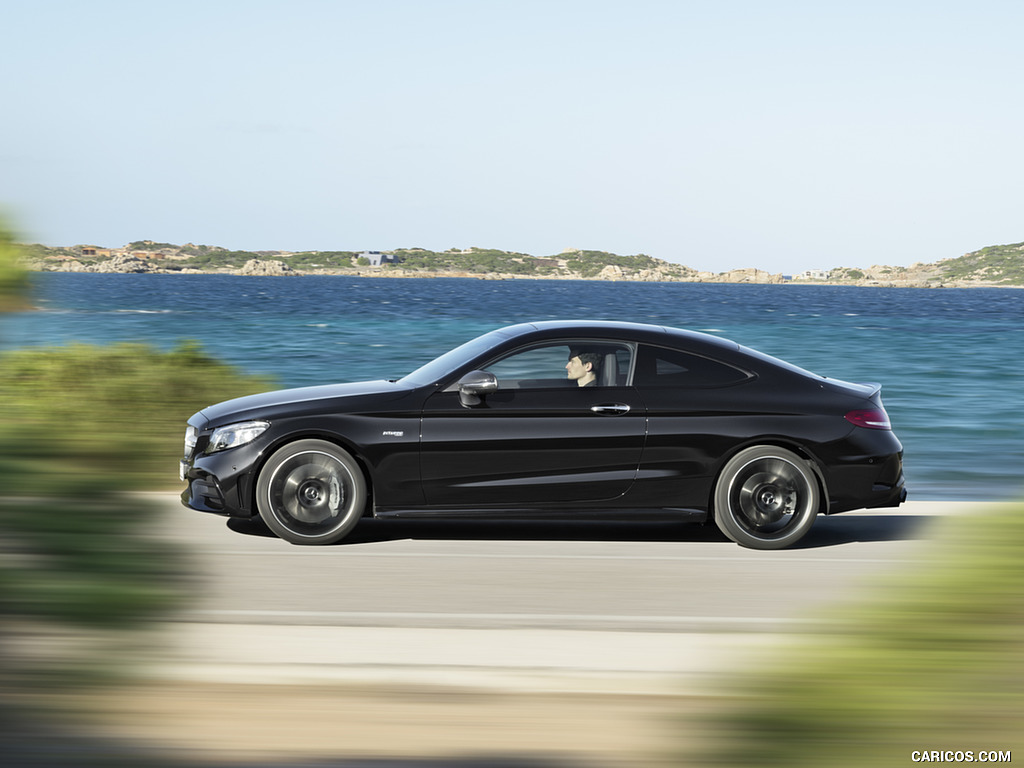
point(724, 134)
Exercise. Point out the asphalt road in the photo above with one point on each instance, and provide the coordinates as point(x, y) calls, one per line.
point(529, 605)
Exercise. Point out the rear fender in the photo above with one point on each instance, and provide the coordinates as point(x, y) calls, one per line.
point(780, 442)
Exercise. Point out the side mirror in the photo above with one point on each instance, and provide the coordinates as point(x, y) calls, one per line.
point(474, 385)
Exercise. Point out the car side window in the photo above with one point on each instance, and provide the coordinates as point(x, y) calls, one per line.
point(660, 367)
point(544, 366)
point(534, 368)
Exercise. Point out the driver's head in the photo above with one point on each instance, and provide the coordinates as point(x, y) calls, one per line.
point(583, 365)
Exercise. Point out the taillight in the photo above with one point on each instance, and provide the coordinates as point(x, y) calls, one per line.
point(871, 418)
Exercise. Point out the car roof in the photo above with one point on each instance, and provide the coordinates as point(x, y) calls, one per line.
point(620, 330)
point(695, 341)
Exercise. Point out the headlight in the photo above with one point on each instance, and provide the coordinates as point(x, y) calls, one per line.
point(234, 435)
point(191, 433)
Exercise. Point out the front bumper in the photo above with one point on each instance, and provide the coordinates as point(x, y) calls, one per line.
point(220, 483)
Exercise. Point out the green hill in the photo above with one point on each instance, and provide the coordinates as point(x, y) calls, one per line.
point(1003, 264)
point(574, 263)
point(474, 260)
point(994, 265)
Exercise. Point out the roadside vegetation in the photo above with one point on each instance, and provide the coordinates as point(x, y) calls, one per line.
point(110, 416)
point(13, 275)
point(83, 428)
point(931, 660)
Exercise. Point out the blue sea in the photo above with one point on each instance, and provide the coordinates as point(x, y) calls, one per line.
point(949, 360)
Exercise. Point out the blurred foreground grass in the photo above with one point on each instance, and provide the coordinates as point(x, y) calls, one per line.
point(82, 427)
point(933, 660)
point(82, 573)
point(105, 418)
point(13, 276)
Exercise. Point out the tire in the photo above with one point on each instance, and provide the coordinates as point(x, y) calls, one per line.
point(766, 498)
point(311, 492)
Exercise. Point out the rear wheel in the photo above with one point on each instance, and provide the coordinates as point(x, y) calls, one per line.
point(311, 492)
point(766, 498)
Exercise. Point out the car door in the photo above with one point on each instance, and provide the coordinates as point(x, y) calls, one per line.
point(538, 438)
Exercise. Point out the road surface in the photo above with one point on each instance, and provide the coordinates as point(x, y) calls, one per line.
point(471, 644)
point(563, 606)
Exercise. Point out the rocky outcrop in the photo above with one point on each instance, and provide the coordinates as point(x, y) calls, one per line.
point(611, 272)
point(117, 265)
point(656, 275)
point(265, 268)
point(758, 276)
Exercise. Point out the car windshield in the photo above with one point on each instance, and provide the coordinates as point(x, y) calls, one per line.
point(450, 361)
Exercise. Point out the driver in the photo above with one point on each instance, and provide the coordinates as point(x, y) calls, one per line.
point(583, 366)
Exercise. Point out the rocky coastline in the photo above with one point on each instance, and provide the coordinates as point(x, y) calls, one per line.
point(275, 264)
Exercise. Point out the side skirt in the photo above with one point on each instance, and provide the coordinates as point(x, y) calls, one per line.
point(553, 513)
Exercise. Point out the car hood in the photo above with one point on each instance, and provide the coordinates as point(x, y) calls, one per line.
point(269, 404)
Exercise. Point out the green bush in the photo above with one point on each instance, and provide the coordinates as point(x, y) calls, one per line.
point(220, 258)
point(308, 260)
point(934, 660)
point(113, 416)
point(84, 426)
point(81, 428)
point(13, 276)
point(996, 263)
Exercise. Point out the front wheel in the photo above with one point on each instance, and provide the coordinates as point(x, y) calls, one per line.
point(766, 498)
point(311, 492)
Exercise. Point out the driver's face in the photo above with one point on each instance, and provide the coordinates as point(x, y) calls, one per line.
point(576, 368)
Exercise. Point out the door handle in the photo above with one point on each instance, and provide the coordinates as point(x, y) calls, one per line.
point(610, 409)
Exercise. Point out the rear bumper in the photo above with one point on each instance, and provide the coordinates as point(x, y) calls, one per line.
point(888, 495)
point(868, 480)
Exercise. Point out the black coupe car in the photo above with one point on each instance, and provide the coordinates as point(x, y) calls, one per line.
point(555, 419)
